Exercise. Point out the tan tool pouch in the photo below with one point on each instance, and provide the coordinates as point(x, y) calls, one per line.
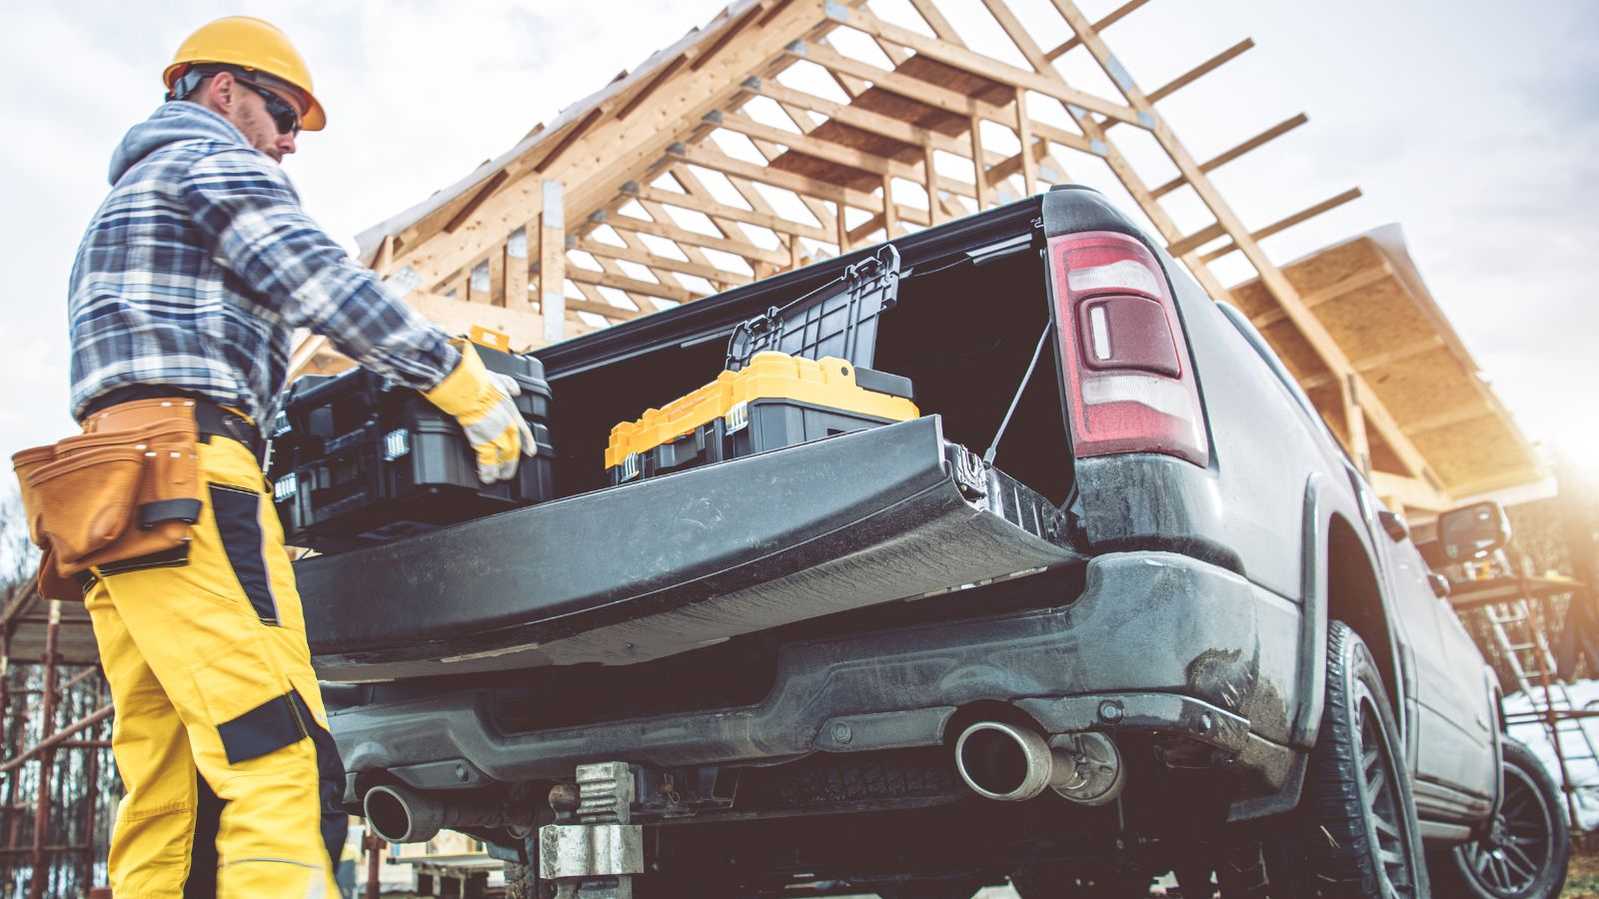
point(112, 495)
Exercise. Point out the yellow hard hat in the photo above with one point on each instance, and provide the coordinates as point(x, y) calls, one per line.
point(254, 44)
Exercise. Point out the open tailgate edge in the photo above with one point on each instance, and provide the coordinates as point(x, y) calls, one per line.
point(670, 564)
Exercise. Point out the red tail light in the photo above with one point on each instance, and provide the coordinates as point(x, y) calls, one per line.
point(1129, 379)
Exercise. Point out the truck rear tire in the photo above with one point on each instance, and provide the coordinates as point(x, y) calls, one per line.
point(1525, 852)
point(1354, 834)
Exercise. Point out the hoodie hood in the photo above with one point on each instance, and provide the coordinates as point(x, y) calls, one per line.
point(173, 122)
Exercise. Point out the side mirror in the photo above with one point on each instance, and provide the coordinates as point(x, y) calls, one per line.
point(1393, 524)
point(1440, 584)
point(1472, 532)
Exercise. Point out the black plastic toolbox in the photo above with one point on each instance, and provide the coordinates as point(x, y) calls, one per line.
point(356, 461)
point(837, 320)
point(759, 426)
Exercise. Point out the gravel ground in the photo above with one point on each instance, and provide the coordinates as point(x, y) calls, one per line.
point(1583, 881)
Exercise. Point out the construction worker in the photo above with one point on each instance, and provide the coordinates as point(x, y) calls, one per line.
point(185, 292)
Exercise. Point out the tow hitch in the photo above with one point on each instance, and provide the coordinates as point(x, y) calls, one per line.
point(593, 851)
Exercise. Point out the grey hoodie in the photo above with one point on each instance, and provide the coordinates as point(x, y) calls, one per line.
point(178, 120)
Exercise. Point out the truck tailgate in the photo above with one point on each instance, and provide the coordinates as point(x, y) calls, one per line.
point(666, 565)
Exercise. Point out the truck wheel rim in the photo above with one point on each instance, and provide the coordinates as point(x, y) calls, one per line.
point(1384, 808)
point(1508, 861)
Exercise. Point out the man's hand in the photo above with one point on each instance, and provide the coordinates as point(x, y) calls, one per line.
point(482, 402)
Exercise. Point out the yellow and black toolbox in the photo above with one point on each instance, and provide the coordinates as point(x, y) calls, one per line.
point(796, 374)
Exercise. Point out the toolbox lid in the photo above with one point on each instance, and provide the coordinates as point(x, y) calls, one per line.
point(837, 320)
point(826, 382)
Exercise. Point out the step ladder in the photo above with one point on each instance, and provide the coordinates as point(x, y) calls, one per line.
point(1524, 644)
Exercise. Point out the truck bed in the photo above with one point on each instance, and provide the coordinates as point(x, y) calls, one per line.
point(670, 564)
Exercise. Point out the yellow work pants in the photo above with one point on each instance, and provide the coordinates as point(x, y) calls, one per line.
point(209, 672)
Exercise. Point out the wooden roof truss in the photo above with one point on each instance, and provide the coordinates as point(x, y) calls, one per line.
point(717, 163)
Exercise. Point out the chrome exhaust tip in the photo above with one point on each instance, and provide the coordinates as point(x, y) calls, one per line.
point(400, 816)
point(1003, 762)
point(1008, 763)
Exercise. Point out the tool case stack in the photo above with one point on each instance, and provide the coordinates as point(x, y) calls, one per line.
point(798, 373)
point(357, 461)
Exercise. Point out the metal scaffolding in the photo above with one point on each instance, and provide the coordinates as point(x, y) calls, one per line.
point(57, 779)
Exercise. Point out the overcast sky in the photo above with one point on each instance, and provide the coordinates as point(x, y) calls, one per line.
point(1473, 124)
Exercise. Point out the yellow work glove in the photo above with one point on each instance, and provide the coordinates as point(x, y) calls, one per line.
point(481, 401)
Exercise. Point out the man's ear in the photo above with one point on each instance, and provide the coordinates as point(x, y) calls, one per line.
point(222, 91)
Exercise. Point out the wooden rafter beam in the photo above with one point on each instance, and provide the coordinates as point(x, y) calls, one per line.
point(728, 32)
point(720, 162)
point(1201, 70)
point(859, 233)
point(838, 154)
point(1413, 493)
point(1286, 222)
point(835, 153)
point(898, 129)
point(732, 213)
point(643, 301)
point(1366, 364)
point(730, 230)
point(680, 235)
point(600, 249)
point(1221, 159)
point(1111, 18)
point(757, 201)
point(603, 308)
point(935, 20)
point(479, 196)
point(978, 64)
point(914, 88)
point(1348, 284)
point(631, 285)
point(569, 138)
point(643, 92)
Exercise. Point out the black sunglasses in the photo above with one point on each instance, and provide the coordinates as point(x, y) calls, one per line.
point(283, 113)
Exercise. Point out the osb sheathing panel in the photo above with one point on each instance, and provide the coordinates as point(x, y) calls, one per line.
point(1424, 386)
point(1330, 404)
point(1383, 457)
point(1310, 276)
point(1294, 350)
point(1472, 451)
point(1252, 298)
point(1376, 319)
point(1333, 265)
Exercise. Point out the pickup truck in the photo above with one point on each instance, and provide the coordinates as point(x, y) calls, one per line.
point(1117, 607)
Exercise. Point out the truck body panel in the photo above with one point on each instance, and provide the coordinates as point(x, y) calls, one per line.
point(1177, 606)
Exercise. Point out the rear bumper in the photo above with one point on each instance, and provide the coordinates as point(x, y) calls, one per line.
point(1156, 642)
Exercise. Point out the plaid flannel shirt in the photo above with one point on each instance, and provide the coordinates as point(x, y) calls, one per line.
point(200, 264)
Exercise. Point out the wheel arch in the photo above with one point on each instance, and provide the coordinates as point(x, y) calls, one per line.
point(1340, 582)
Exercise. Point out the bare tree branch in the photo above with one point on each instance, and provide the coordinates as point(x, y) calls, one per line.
point(18, 556)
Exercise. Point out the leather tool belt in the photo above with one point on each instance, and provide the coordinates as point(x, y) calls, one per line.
point(128, 487)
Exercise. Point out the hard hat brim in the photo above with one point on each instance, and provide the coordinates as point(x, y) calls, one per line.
point(313, 119)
